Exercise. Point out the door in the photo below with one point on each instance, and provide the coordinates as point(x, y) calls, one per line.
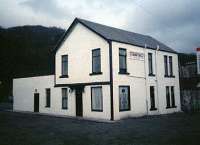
point(36, 102)
point(79, 102)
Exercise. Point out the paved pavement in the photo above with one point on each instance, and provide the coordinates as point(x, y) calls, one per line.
point(33, 129)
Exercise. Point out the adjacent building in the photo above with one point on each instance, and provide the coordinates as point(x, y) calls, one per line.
point(103, 72)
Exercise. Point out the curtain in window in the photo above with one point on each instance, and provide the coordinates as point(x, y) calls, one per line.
point(64, 98)
point(97, 99)
point(123, 98)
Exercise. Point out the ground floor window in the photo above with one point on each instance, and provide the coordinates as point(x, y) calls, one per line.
point(97, 98)
point(48, 97)
point(170, 98)
point(124, 98)
point(152, 98)
point(64, 98)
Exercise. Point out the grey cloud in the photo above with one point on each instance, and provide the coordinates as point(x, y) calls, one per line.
point(176, 23)
point(48, 7)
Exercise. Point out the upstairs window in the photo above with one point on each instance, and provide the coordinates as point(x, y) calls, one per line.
point(166, 65)
point(170, 66)
point(64, 65)
point(97, 99)
point(150, 62)
point(124, 98)
point(48, 97)
point(96, 61)
point(122, 61)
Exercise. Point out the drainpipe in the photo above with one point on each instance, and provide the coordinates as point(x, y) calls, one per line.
point(145, 79)
point(156, 58)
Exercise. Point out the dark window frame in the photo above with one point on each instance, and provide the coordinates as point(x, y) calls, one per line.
point(152, 98)
point(168, 99)
point(64, 97)
point(129, 100)
point(166, 66)
point(171, 66)
point(64, 62)
point(150, 64)
point(123, 70)
point(96, 110)
point(48, 97)
point(99, 57)
point(173, 102)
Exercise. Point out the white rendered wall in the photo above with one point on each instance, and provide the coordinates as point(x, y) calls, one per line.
point(78, 46)
point(136, 81)
point(165, 81)
point(24, 89)
point(140, 81)
point(87, 111)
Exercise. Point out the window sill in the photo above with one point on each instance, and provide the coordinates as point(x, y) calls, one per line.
point(152, 75)
point(97, 110)
point(124, 73)
point(166, 76)
point(47, 106)
point(171, 107)
point(153, 109)
point(96, 73)
point(124, 110)
point(64, 108)
point(64, 76)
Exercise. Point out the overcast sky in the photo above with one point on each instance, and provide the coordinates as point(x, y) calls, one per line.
point(173, 22)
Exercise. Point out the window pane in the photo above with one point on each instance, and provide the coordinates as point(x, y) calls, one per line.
point(172, 97)
point(124, 98)
point(170, 66)
point(150, 63)
point(96, 61)
point(167, 96)
point(152, 97)
point(96, 64)
point(97, 99)
point(166, 65)
point(122, 52)
point(64, 98)
point(48, 97)
point(96, 52)
point(122, 61)
point(64, 65)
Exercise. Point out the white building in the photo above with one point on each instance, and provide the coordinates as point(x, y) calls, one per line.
point(104, 73)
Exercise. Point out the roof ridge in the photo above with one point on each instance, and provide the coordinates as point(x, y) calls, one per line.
point(111, 27)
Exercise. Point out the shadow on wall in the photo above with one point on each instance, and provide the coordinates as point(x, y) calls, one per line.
point(190, 100)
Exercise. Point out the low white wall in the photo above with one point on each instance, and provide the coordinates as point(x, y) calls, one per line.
point(24, 89)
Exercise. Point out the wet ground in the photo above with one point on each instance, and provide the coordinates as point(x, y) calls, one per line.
point(33, 129)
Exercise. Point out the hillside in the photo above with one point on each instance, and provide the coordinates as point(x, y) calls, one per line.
point(26, 51)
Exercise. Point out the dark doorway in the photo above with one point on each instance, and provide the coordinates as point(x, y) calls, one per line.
point(79, 101)
point(36, 102)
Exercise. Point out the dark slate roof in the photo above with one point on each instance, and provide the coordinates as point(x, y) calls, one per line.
point(119, 35)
